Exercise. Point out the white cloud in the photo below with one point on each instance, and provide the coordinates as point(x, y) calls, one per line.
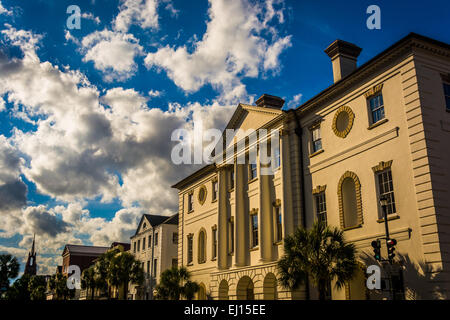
point(295, 102)
point(90, 16)
point(154, 93)
point(4, 11)
point(138, 12)
point(2, 105)
point(233, 47)
point(83, 140)
point(113, 53)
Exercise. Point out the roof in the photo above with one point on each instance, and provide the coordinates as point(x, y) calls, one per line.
point(359, 72)
point(126, 246)
point(156, 220)
point(197, 174)
point(84, 250)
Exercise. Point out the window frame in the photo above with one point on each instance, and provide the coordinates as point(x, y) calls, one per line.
point(320, 205)
point(314, 147)
point(215, 190)
point(278, 224)
point(391, 207)
point(190, 201)
point(254, 230)
point(190, 249)
point(446, 84)
point(252, 171)
point(377, 108)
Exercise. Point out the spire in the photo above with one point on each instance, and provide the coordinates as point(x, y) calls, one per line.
point(32, 247)
point(30, 267)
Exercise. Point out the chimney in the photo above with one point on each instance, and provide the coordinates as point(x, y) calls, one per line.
point(343, 57)
point(268, 101)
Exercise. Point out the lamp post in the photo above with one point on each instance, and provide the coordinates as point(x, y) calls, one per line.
point(384, 204)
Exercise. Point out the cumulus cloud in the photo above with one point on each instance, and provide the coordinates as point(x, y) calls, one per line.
point(137, 12)
point(232, 47)
point(4, 11)
point(90, 16)
point(113, 53)
point(87, 144)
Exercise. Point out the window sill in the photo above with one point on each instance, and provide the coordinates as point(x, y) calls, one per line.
point(190, 264)
point(252, 180)
point(190, 211)
point(213, 259)
point(201, 262)
point(390, 217)
point(378, 123)
point(351, 228)
point(214, 200)
point(316, 153)
point(254, 248)
point(278, 243)
point(231, 190)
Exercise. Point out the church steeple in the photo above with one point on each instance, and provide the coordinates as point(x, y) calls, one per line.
point(30, 267)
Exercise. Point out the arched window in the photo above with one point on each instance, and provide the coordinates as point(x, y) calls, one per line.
point(245, 289)
point(270, 287)
point(350, 206)
point(202, 246)
point(223, 290)
point(201, 295)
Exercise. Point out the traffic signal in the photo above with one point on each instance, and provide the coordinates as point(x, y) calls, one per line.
point(376, 244)
point(391, 248)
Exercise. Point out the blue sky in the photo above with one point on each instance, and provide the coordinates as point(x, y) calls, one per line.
point(86, 114)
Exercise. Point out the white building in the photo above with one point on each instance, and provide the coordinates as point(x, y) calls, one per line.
point(155, 245)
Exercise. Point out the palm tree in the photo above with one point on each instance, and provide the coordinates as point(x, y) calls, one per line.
point(9, 269)
point(89, 281)
point(101, 271)
point(320, 254)
point(175, 283)
point(58, 284)
point(125, 269)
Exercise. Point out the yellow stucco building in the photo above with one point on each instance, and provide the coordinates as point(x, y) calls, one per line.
point(381, 130)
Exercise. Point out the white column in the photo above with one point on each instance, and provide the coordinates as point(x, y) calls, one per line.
point(222, 223)
point(240, 221)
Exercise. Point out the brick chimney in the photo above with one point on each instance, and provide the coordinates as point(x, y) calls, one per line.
point(268, 101)
point(343, 58)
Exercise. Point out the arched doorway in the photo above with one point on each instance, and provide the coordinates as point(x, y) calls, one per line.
point(223, 290)
point(270, 287)
point(201, 294)
point(245, 289)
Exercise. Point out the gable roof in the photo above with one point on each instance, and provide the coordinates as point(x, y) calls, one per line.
point(75, 249)
point(154, 220)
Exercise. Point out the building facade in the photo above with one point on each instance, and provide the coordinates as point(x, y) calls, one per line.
point(380, 131)
point(155, 245)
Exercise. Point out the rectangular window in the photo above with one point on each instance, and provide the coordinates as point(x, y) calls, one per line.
point(376, 108)
point(139, 245)
point(252, 171)
point(447, 95)
point(190, 202)
point(156, 239)
point(214, 190)
point(316, 139)
point(155, 267)
point(143, 244)
point(175, 238)
point(231, 234)
point(386, 189)
point(149, 241)
point(321, 207)
point(148, 266)
point(174, 263)
point(232, 178)
point(254, 230)
point(134, 247)
point(190, 244)
point(214, 240)
point(279, 224)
